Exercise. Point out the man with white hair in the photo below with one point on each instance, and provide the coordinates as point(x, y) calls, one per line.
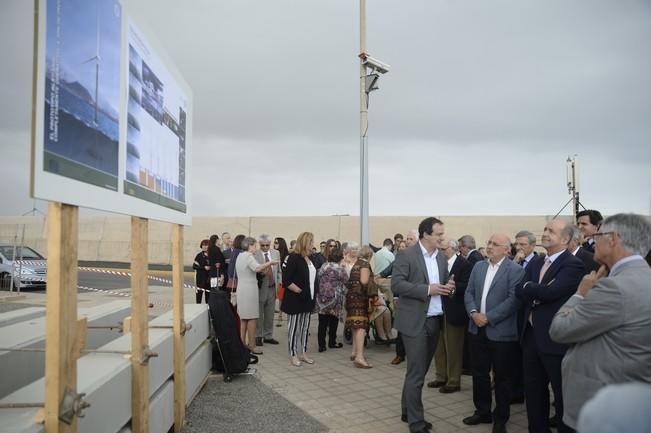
point(574, 246)
point(267, 283)
point(607, 321)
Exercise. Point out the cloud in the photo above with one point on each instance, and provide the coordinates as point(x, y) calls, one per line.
point(483, 103)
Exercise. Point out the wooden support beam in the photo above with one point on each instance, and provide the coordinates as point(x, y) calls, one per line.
point(178, 322)
point(139, 325)
point(61, 313)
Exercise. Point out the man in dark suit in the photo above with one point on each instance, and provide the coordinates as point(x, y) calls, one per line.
point(468, 249)
point(589, 221)
point(525, 243)
point(449, 351)
point(491, 304)
point(545, 288)
point(574, 247)
point(420, 279)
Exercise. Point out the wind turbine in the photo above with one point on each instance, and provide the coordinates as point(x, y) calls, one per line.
point(97, 59)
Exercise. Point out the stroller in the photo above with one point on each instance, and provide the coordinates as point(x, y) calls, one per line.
point(229, 355)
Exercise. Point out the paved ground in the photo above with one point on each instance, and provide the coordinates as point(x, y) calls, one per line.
point(352, 400)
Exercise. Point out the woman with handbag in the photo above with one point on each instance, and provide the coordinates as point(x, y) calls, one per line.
point(361, 287)
point(299, 280)
point(201, 265)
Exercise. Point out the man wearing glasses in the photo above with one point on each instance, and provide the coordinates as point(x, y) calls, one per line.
point(607, 320)
point(267, 283)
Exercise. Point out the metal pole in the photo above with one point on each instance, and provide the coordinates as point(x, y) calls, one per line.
point(363, 124)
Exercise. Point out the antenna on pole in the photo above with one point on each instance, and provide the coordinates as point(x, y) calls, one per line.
point(572, 175)
point(572, 166)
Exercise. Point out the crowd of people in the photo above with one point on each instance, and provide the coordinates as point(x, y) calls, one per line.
point(572, 321)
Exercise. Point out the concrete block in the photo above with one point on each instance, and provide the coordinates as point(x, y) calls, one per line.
point(20, 315)
point(197, 368)
point(106, 380)
point(21, 368)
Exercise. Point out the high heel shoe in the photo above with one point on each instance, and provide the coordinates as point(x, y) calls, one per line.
point(359, 364)
point(307, 360)
point(296, 362)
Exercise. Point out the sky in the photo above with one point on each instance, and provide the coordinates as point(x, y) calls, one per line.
point(483, 104)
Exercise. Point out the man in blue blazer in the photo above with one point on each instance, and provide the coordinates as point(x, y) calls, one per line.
point(544, 289)
point(420, 279)
point(492, 307)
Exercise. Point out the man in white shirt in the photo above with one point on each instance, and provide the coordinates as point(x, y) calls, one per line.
point(492, 307)
point(420, 278)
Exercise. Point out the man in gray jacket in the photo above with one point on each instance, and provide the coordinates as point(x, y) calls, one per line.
point(492, 306)
point(607, 321)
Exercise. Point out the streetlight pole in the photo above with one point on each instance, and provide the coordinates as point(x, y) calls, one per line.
point(363, 125)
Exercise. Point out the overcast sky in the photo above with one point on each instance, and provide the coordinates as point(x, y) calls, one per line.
point(483, 104)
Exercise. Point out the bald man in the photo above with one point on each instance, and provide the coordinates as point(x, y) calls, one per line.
point(546, 286)
point(492, 306)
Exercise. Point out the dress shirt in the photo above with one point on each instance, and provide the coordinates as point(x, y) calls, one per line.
point(576, 250)
point(432, 265)
point(490, 275)
point(526, 260)
point(312, 270)
point(382, 259)
point(451, 261)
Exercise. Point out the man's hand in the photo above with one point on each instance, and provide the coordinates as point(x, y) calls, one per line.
point(519, 256)
point(479, 319)
point(591, 279)
point(439, 289)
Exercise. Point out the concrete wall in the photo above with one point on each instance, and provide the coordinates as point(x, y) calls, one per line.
point(107, 238)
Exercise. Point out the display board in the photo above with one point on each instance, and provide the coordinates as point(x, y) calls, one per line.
point(112, 115)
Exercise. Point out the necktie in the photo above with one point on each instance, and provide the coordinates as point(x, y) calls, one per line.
point(270, 276)
point(544, 268)
point(523, 263)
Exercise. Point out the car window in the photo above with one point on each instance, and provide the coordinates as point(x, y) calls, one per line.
point(26, 253)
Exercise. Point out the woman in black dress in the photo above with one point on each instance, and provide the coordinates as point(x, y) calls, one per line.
point(201, 265)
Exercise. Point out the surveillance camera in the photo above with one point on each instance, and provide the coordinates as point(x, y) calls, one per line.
point(376, 65)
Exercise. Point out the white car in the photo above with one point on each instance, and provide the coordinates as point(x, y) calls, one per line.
point(30, 270)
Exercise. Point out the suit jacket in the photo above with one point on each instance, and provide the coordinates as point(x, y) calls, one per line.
point(410, 282)
point(588, 260)
point(273, 255)
point(501, 303)
point(454, 306)
point(295, 270)
point(610, 334)
point(475, 257)
point(542, 300)
point(588, 246)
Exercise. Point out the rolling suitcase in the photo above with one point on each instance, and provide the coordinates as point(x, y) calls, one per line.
point(230, 355)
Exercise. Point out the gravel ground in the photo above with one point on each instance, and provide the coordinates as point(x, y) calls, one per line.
point(245, 405)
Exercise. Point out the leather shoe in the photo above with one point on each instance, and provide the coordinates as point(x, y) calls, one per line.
point(258, 341)
point(499, 428)
point(435, 384)
point(322, 349)
point(449, 389)
point(271, 341)
point(428, 425)
point(397, 360)
point(336, 346)
point(478, 419)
